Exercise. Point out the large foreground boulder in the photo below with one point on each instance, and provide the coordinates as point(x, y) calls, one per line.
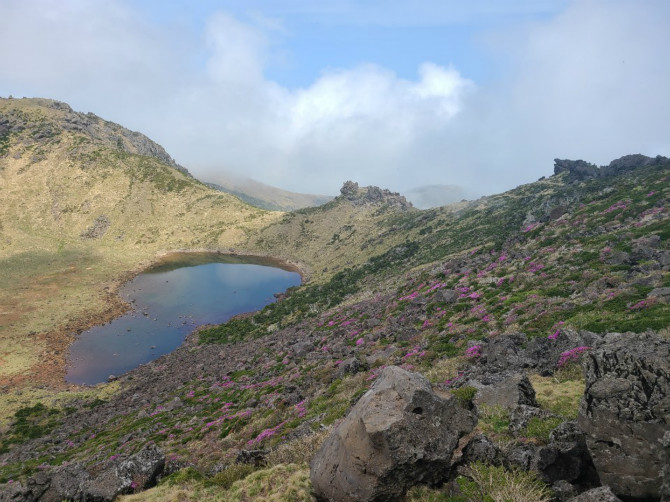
point(400, 433)
point(625, 413)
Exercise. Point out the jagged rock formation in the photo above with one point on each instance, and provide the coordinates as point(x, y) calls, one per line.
point(372, 195)
point(626, 412)
point(399, 434)
point(579, 170)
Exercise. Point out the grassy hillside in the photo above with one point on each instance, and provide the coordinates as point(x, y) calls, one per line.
point(85, 201)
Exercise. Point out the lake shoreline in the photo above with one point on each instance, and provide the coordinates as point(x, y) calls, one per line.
point(52, 369)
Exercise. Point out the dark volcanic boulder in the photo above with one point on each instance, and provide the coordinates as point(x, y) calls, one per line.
point(400, 433)
point(601, 494)
point(509, 393)
point(625, 412)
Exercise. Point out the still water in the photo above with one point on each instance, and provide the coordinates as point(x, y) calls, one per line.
point(169, 301)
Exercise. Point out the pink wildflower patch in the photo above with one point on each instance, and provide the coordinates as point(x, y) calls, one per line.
point(474, 351)
point(643, 304)
point(572, 354)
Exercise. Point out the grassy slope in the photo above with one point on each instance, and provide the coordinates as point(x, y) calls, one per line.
point(54, 185)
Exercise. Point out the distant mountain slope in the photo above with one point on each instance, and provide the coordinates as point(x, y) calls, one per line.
point(264, 196)
point(430, 196)
point(85, 201)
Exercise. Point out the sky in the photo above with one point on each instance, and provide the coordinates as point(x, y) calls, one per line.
point(304, 95)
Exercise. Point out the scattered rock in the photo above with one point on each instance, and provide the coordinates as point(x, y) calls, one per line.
point(255, 457)
point(481, 449)
point(563, 490)
point(661, 293)
point(98, 229)
point(351, 366)
point(509, 393)
point(448, 296)
point(400, 433)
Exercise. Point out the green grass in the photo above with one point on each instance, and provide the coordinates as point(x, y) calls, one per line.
point(540, 428)
point(30, 423)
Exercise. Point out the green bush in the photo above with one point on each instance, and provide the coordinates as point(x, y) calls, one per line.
point(465, 395)
point(540, 429)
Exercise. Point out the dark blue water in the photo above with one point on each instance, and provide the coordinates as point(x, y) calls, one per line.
point(169, 302)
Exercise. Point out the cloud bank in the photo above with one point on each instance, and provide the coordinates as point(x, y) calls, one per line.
point(588, 83)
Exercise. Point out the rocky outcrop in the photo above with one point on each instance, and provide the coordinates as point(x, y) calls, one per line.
point(579, 170)
point(514, 353)
point(631, 162)
point(625, 412)
point(351, 192)
point(400, 433)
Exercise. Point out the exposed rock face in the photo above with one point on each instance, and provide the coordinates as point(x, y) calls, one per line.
point(630, 162)
point(625, 412)
point(400, 433)
point(349, 190)
point(579, 170)
point(372, 195)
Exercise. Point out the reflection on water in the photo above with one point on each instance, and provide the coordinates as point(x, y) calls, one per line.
point(170, 301)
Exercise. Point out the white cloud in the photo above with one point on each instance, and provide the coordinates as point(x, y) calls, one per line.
point(590, 82)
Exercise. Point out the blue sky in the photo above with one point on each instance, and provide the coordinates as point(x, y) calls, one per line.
point(304, 95)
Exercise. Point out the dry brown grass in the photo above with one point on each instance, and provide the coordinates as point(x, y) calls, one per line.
point(298, 451)
point(280, 483)
point(558, 395)
point(444, 369)
point(500, 485)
